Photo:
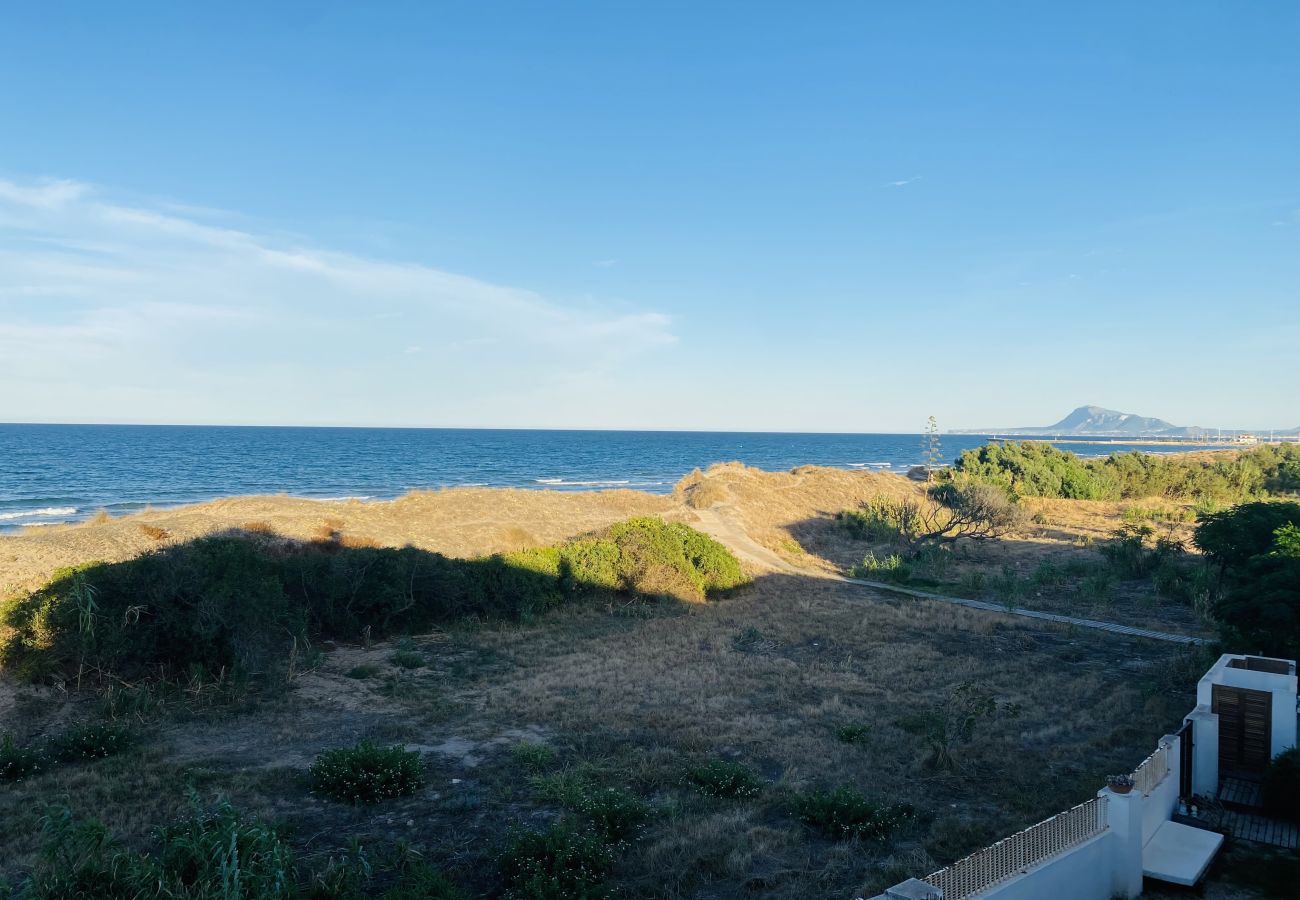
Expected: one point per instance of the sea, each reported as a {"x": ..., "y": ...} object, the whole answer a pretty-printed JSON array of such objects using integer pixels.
[{"x": 51, "y": 474}]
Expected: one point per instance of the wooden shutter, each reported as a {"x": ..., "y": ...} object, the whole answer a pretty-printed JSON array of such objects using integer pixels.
[{"x": 1245, "y": 729}]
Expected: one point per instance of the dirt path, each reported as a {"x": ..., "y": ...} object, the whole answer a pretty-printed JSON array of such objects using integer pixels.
[{"x": 719, "y": 522}]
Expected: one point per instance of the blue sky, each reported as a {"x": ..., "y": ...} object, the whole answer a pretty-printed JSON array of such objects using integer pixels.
[{"x": 821, "y": 216}]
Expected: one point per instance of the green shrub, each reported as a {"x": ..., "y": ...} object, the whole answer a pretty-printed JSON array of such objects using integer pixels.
[
  {"x": 844, "y": 813},
  {"x": 1281, "y": 788},
  {"x": 533, "y": 756},
  {"x": 17, "y": 763},
  {"x": 419, "y": 881},
  {"x": 724, "y": 778},
  {"x": 408, "y": 659},
  {"x": 878, "y": 519},
  {"x": 1037, "y": 469},
  {"x": 617, "y": 815},
  {"x": 367, "y": 773},
  {"x": 1258, "y": 604},
  {"x": 79, "y": 861},
  {"x": 891, "y": 568},
  {"x": 93, "y": 741},
  {"x": 364, "y": 670},
  {"x": 852, "y": 732},
  {"x": 560, "y": 863},
  {"x": 1231, "y": 537},
  {"x": 216, "y": 855},
  {"x": 243, "y": 605},
  {"x": 247, "y": 857},
  {"x": 1126, "y": 552}
]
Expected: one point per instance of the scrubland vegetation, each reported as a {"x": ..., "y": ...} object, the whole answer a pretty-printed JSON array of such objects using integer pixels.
[
  {"x": 247, "y": 714},
  {"x": 1035, "y": 469}
]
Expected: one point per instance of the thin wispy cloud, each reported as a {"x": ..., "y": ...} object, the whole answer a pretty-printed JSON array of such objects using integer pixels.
[
  {"x": 99, "y": 298},
  {"x": 605, "y": 263},
  {"x": 904, "y": 182}
]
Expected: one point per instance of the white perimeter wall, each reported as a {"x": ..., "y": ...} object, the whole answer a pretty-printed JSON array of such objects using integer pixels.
[{"x": 1084, "y": 873}]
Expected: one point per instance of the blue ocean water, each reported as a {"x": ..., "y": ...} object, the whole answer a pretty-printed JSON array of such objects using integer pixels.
[{"x": 62, "y": 473}]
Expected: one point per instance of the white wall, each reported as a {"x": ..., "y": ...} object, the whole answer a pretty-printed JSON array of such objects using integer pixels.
[
  {"x": 1160, "y": 803},
  {"x": 1282, "y": 687},
  {"x": 1083, "y": 873}
]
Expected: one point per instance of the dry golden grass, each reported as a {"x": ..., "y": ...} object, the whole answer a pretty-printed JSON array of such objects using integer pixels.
[
  {"x": 629, "y": 696},
  {"x": 461, "y": 522},
  {"x": 153, "y": 532}
]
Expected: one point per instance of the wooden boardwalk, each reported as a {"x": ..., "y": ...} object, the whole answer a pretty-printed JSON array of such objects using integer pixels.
[
  {"x": 1238, "y": 792},
  {"x": 1031, "y": 614},
  {"x": 1246, "y": 826}
]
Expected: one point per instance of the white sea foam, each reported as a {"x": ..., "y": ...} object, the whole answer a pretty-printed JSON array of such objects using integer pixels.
[
  {"x": 43, "y": 513},
  {"x": 563, "y": 483}
]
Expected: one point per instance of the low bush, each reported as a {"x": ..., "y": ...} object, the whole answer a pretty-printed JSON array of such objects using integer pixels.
[
  {"x": 618, "y": 816},
  {"x": 890, "y": 568},
  {"x": 367, "y": 773},
  {"x": 408, "y": 659},
  {"x": 852, "y": 732},
  {"x": 17, "y": 763},
  {"x": 210, "y": 855},
  {"x": 561, "y": 863},
  {"x": 724, "y": 778},
  {"x": 241, "y": 604},
  {"x": 533, "y": 756},
  {"x": 1257, "y": 601},
  {"x": 844, "y": 813},
  {"x": 92, "y": 741},
  {"x": 1036, "y": 469},
  {"x": 878, "y": 519},
  {"x": 365, "y": 670}
]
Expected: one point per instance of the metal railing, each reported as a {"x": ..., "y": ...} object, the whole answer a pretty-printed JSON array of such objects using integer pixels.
[
  {"x": 1013, "y": 855},
  {"x": 1151, "y": 771}
]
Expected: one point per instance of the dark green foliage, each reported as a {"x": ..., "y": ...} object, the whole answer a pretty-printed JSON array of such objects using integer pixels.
[
  {"x": 844, "y": 813},
  {"x": 877, "y": 519},
  {"x": 408, "y": 659},
  {"x": 1259, "y": 610},
  {"x": 617, "y": 815},
  {"x": 17, "y": 763},
  {"x": 79, "y": 861},
  {"x": 419, "y": 881},
  {"x": 363, "y": 671},
  {"x": 1281, "y": 788},
  {"x": 1033, "y": 469},
  {"x": 216, "y": 855},
  {"x": 93, "y": 741},
  {"x": 1037, "y": 469},
  {"x": 533, "y": 756},
  {"x": 1272, "y": 872},
  {"x": 724, "y": 778},
  {"x": 1233, "y": 536},
  {"x": 1258, "y": 607},
  {"x": 852, "y": 732},
  {"x": 889, "y": 568},
  {"x": 244, "y": 604},
  {"x": 367, "y": 773},
  {"x": 559, "y": 863},
  {"x": 247, "y": 854}
]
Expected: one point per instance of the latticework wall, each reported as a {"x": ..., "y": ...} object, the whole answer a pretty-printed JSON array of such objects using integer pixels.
[{"x": 1013, "y": 855}]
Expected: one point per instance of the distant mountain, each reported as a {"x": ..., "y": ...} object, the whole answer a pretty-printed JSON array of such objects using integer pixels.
[
  {"x": 1099, "y": 422},
  {"x": 1095, "y": 420}
]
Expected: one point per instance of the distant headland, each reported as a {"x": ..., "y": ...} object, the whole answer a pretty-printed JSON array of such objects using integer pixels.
[{"x": 1096, "y": 421}]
